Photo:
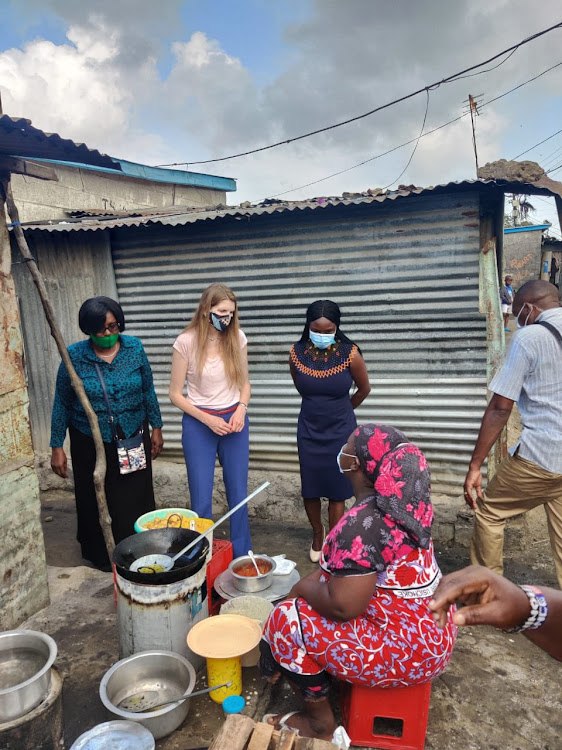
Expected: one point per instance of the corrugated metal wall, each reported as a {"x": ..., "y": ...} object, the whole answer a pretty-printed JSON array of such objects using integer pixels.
[
  {"x": 75, "y": 266},
  {"x": 405, "y": 274}
]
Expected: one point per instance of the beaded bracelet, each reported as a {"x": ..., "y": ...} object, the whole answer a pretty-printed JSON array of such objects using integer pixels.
[{"x": 539, "y": 610}]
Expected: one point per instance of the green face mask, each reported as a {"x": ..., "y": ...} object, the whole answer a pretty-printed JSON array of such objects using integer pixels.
[{"x": 105, "y": 342}]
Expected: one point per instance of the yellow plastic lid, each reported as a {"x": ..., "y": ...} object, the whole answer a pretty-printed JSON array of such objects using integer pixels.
[{"x": 224, "y": 637}]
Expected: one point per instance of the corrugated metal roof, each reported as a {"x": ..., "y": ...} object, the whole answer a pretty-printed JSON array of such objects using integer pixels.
[
  {"x": 272, "y": 206},
  {"x": 152, "y": 174},
  {"x": 18, "y": 137}
]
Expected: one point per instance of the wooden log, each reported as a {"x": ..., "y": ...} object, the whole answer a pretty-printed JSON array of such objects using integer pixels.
[
  {"x": 100, "y": 466},
  {"x": 308, "y": 743},
  {"x": 286, "y": 739},
  {"x": 234, "y": 734},
  {"x": 261, "y": 736}
]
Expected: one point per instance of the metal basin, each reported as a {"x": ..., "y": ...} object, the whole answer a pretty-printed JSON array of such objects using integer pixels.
[
  {"x": 167, "y": 673},
  {"x": 26, "y": 658},
  {"x": 160, "y": 541},
  {"x": 251, "y": 584}
]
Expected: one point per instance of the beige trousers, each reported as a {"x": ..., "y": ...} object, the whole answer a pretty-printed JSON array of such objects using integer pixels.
[{"x": 518, "y": 486}]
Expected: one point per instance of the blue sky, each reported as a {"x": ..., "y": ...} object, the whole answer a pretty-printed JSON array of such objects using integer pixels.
[{"x": 185, "y": 80}]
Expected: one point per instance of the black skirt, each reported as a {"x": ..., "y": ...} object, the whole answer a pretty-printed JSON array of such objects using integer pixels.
[{"x": 128, "y": 495}]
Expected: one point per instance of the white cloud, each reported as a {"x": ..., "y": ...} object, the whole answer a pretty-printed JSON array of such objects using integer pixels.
[{"x": 103, "y": 87}]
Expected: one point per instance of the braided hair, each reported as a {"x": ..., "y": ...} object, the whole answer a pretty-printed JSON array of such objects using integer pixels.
[{"x": 325, "y": 308}]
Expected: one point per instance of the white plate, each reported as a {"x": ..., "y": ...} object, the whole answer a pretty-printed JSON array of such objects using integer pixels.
[
  {"x": 280, "y": 587},
  {"x": 115, "y": 735}
]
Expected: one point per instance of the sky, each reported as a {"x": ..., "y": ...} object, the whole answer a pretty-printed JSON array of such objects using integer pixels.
[{"x": 191, "y": 80}]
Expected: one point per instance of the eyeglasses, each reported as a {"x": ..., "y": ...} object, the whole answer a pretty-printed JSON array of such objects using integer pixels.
[{"x": 112, "y": 328}]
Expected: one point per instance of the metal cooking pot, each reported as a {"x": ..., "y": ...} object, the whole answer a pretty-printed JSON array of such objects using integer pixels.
[
  {"x": 167, "y": 673},
  {"x": 160, "y": 541},
  {"x": 251, "y": 584},
  {"x": 26, "y": 658}
]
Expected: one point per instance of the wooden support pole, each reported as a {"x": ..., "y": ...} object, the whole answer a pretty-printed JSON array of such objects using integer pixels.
[{"x": 6, "y": 196}]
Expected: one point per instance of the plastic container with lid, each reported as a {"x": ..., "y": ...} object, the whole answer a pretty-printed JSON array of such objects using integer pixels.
[{"x": 233, "y": 704}]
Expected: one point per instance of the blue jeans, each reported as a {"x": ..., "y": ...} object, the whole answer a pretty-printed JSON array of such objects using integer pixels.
[{"x": 200, "y": 447}]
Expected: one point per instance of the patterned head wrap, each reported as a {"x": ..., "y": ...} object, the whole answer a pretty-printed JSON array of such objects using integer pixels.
[{"x": 401, "y": 479}]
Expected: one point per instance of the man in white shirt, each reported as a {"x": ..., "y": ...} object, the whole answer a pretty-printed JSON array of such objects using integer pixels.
[{"x": 532, "y": 473}]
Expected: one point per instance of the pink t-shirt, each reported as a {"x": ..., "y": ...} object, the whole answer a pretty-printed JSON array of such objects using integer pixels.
[{"x": 211, "y": 390}]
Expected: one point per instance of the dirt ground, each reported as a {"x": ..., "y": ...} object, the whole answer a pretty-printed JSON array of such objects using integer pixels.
[{"x": 498, "y": 692}]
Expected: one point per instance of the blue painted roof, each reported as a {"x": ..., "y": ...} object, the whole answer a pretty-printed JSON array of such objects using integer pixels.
[
  {"x": 154, "y": 174},
  {"x": 533, "y": 228}
]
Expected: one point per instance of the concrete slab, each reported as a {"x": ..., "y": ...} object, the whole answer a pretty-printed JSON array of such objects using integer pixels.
[{"x": 498, "y": 692}]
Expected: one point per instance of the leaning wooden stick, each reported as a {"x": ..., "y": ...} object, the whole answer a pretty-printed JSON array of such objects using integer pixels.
[{"x": 100, "y": 467}]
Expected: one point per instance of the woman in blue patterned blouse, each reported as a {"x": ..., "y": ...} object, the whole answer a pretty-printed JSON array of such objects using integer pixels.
[{"x": 130, "y": 388}]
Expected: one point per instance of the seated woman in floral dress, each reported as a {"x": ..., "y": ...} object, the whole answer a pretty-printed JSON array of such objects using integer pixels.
[{"x": 363, "y": 617}]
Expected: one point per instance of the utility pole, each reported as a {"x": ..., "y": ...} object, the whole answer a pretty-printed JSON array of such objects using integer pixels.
[
  {"x": 515, "y": 211},
  {"x": 473, "y": 108}
]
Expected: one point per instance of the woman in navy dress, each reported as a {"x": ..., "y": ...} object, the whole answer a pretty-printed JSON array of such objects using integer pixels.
[{"x": 324, "y": 365}]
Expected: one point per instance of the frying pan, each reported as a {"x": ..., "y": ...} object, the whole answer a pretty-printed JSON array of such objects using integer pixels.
[{"x": 161, "y": 541}]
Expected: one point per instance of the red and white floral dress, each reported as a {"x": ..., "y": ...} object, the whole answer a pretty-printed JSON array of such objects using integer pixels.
[{"x": 395, "y": 642}]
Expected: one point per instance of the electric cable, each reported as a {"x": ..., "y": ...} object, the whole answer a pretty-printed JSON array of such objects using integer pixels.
[
  {"x": 449, "y": 79},
  {"x": 537, "y": 144},
  {"x": 415, "y": 147},
  {"x": 412, "y": 140}
]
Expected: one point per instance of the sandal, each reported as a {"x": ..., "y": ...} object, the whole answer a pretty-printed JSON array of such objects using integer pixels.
[{"x": 314, "y": 554}]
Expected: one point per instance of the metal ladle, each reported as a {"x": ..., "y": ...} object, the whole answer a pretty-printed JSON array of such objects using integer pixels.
[
  {"x": 163, "y": 563},
  {"x": 144, "y": 701},
  {"x": 253, "y": 559}
]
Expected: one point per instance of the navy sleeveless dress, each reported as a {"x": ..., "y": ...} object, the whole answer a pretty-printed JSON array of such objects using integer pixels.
[{"x": 326, "y": 419}]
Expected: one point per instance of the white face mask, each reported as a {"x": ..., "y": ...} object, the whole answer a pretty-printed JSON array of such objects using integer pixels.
[
  {"x": 526, "y": 304},
  {"x": 341, "y": 453}
]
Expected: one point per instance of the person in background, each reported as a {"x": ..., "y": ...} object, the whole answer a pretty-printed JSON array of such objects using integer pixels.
[
  {"x": 506, "y": 299},
  {"x": 363, "y": 616},
  {"x": 130, "y": 388},
  {"x": 532, "y": 474},
  {"x": 324, "y": 365},
  {"x": 493, "y": 600},
  {"x": 211, "y": 355}
]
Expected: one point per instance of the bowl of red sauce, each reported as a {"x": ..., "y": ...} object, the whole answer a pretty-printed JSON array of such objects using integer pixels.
[{"x": 246, "y": 577}]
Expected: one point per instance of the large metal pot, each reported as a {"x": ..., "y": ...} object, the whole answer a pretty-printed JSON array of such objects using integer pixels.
[
  {"x": 251, "y": 584},
  {"x": 169, "y": 674},
  {"x": 26, "y": 658},
  {"x": 160, "y": 541}
]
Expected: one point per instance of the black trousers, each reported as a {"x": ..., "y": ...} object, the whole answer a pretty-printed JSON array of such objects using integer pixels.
[{"x": 128, "y": 495}]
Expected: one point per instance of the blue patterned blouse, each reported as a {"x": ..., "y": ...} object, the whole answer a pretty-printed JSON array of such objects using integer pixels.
[{"x": 129, "y": 384}]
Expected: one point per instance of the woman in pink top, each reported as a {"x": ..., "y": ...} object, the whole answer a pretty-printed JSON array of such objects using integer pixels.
[{"x": 211, "y": 356}]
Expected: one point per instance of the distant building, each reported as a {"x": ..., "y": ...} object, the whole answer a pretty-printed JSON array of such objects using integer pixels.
[
  {"x": 522, "y": 253},
  {"x": 85, "y": 188}
]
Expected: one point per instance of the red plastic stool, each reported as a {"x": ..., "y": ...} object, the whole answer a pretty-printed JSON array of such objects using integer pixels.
[{"x": 386, "y": 718}]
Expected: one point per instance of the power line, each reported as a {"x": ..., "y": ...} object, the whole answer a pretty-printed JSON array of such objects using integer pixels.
[
  {"x": 547, "y": 161},
  {"x": 530, "y": 80},
  {"x": 537, "y": 144},
  {"x": 415, "y": 147},
  {"x": 448, "y": 79},
  {"x": 412, "y": 140}
]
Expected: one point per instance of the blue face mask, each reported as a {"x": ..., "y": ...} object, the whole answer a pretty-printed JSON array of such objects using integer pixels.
[{"x": 322, "y": 340}]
